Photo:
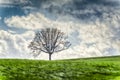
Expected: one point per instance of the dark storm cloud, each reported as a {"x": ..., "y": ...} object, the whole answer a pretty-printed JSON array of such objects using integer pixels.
[{"x": 81, "y": 9}]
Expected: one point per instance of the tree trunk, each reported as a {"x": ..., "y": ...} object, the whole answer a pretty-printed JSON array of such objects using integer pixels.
[{"x": 50, "y": 56}]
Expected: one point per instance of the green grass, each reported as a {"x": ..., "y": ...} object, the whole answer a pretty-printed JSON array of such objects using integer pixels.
[{"x": 107, "y": 68}]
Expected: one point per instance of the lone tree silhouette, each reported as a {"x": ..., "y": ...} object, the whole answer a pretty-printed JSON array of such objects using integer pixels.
[{"x": 49, "y": 40}]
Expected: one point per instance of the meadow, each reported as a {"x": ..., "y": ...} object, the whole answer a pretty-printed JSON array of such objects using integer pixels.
[{"x": 104, "y": 68}]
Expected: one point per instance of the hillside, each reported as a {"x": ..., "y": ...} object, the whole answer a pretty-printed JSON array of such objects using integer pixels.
[{"x": 107, "y": 68}]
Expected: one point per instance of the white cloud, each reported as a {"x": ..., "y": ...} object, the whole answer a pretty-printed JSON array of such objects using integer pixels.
[
  {"x": 59, "y": 3},
  {"x": 0, "y": 18},
  {"x": 10, "y": 3},
  {"x": 13, "y": 1},
  {"x": 36, "y": 21},
  {"x": 14, "y": 46},
  {"x": 88, "y": 38},
  {"x": 6, "y": 1},
  {"x": 3, "y": 48},
  {"x": 92, "y": 39}
]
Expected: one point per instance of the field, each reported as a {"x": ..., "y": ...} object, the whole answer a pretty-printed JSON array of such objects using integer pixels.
[{"x": 107, "y": 68}]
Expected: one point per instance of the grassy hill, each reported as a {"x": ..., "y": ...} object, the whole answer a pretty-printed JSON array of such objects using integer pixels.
[{"x": 107, "y": 68}]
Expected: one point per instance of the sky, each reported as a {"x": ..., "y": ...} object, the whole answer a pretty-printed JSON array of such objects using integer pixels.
[{"x": 92, "y": 26}]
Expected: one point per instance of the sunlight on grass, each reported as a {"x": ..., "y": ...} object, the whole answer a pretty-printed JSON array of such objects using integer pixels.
[
  {"x": 2, "y": 78},
  {"x": 74, "y": 69},
  {"x": 117, "y": 78}
]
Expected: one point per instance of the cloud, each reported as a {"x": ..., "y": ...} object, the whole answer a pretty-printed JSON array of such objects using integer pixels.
[
  {"x": 93, "y": 29},
  {"x": 36, "y": 21},
  {"x": 0, "y": 18},
  {"x": 91, "y": 39},
  {"x": 59, "y": 3},
  {"x": 6, "y": 1},
  {"x": 13, "y": 1},
  {"x": 3, "y": 48},
  {"x": 14, "y": 46}
]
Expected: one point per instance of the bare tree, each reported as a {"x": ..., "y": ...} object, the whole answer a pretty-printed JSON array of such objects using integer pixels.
[{"x": 49, "y": 40}]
